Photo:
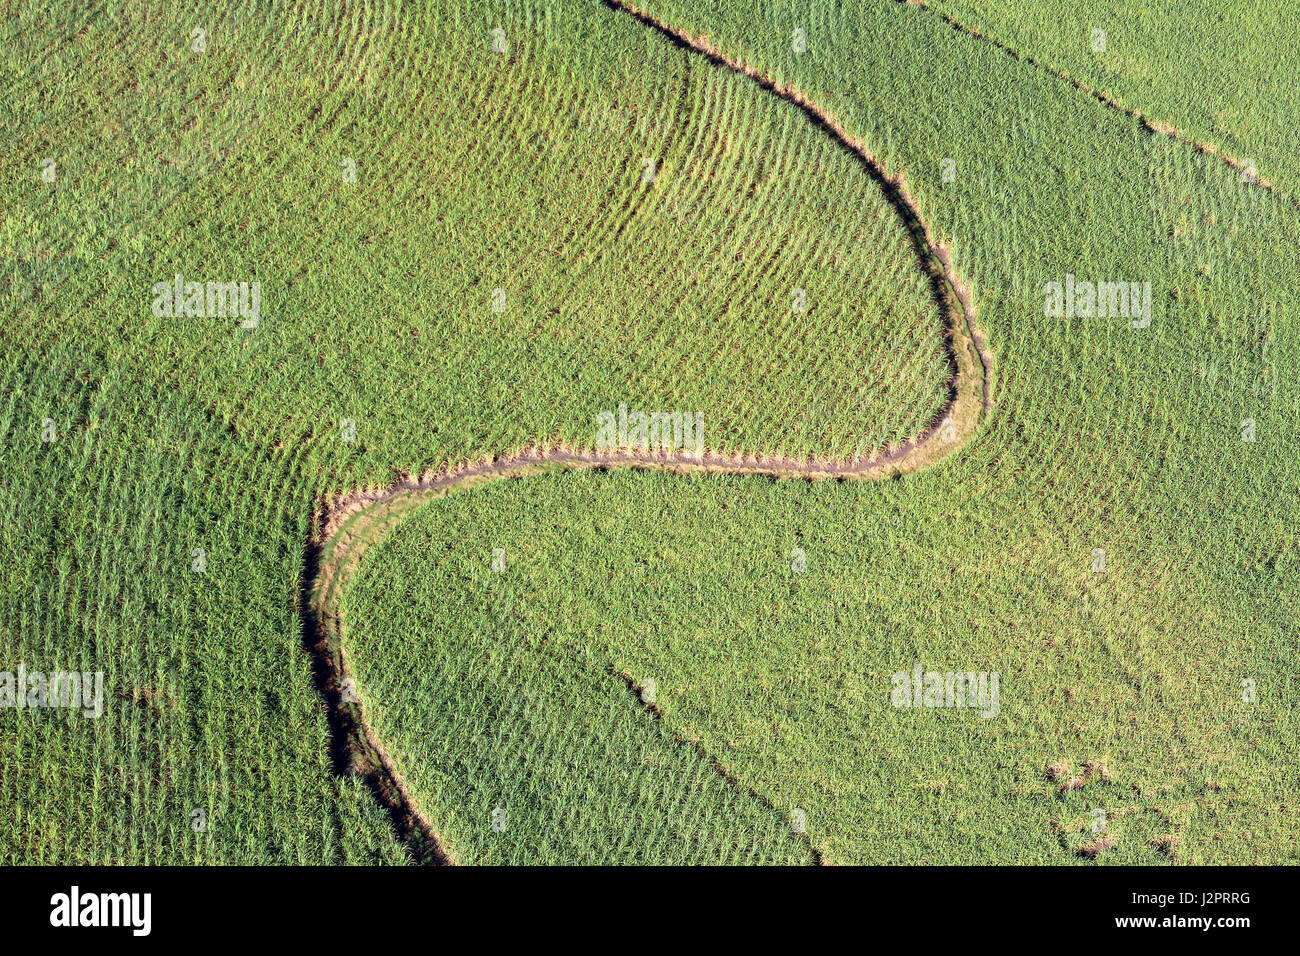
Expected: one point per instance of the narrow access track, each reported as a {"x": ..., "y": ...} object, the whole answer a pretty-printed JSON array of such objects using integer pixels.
[{"x": 348, "y": 526}]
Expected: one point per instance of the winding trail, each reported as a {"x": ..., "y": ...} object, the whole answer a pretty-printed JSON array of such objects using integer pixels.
[{"x": 347, "y": 527}]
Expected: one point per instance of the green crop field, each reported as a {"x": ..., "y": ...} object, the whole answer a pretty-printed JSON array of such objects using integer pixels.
[
  {"x": 586, "y": 431},
  {"x": 1189, "y": 68}
]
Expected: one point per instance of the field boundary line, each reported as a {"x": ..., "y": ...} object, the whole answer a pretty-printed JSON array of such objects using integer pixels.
[
  {"x": 935, "y": 258},
  {"x": 349, "y": 525},
  {"x": 1149, "y": 123}
]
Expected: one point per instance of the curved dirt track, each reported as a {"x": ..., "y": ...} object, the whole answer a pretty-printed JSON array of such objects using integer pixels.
[{"x": 348, "y": 526}]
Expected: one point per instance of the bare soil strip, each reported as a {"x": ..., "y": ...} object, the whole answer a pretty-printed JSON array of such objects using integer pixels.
[
  {"x": 349, "y": 525},
  {"x": 1148, "y": 123}
]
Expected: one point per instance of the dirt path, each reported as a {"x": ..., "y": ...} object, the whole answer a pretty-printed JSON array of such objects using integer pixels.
[{"x": 348, "y": 526}]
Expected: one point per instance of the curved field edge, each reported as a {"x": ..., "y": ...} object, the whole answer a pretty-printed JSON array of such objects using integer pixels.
[
  {"x": 950, "y": 293},
  {"x": 971, "y": 387},
  {"x": 360, "y": 504},
  {"x": 772, "y": 271},
  {"x": 360, "y": 750},
  {"x": 208, "y": 746},
  {"x": 351, "y": 524}
]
